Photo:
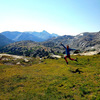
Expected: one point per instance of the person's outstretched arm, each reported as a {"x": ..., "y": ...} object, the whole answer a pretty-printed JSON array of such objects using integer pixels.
[
  {"x": 63, "y": 45},
  {"x": 71, "y": 49}
]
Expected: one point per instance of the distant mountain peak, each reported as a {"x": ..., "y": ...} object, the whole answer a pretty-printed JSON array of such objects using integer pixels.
[{"x": 44, "y": 31}]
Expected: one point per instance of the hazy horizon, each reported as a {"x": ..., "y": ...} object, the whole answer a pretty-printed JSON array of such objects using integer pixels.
[{"x": 48, "y": 32}]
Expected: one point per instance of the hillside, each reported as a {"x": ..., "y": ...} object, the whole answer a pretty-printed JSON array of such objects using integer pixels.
[
  {"x": 66, "y": 39},
  {"x": 4, "y": 41},
  {"x": 52, "y": 79},
  {"x": 26, "y": 48},
  {"x": 87, "y": 41},
  {"x": 83, "y": 41}
]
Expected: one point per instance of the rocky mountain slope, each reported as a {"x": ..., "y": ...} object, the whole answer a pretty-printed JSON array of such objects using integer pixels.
[
  {"x": 83, "y": 41},
  {"x": 89, "y": 41},
  {"x": 4, "y": 41}
]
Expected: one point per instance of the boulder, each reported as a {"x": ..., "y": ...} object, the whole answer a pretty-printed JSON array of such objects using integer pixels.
[
  {"x": 26, "y": 60},
  {"x": 18, "y": 63},
  {"x": 55, "y": 56}
]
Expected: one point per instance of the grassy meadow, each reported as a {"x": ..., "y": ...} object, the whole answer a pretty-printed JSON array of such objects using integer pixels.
[{"x": 52, "y": 79}]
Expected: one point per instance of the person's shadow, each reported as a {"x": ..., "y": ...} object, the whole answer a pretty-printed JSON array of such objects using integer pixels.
[{"x": 77, "y": 71}]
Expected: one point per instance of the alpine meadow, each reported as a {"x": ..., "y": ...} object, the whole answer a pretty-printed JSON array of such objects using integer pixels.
[{"x": 52, "y": 79}]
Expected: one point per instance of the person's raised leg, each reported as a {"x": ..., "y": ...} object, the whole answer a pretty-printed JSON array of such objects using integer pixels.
[
  {"x": 66, "y": 59},
  {"x": 73, "y": 59}
]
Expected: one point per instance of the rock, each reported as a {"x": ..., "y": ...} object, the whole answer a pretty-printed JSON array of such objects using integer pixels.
[
  {"x": 89, "y": 53},
  {"x": 6, "y": 59},
  {"x": 26, "y": 60},
  {"x": 99, "y": 53},
  {"x": 0, "y": 57},
  {"x": 40, "y": 58},
  {"x": 18, "y": 63},
  {"x": 55, "y": 56}
]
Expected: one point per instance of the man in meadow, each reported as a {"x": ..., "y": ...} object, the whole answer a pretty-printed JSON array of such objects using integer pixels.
[{"x": 68, "y": 53}]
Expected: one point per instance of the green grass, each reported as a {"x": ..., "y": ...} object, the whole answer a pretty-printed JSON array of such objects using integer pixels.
[{"x": 52, "y": 80}]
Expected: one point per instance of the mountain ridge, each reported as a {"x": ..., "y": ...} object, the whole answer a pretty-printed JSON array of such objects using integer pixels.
[
  {"x": 34, "y": 36},
  {"x": 86, "y": 41},
  {"x": 4, "y": 41}
]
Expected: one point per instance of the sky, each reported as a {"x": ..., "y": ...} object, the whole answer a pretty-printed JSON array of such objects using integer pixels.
[{"x": 63, "y": 17}]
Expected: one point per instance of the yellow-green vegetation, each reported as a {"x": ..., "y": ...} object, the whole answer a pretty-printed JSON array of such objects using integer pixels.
[{"x": 52, "y": 79}]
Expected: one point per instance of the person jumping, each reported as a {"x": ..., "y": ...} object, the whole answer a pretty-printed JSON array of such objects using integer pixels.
[{"x": 68, "y": 53}]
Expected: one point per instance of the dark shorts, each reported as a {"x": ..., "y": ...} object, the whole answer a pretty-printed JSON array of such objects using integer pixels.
[{"x": 68, "y": 56}]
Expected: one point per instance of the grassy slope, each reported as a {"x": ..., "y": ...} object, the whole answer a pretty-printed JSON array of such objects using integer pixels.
[{"x": 52, "y": 80}]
